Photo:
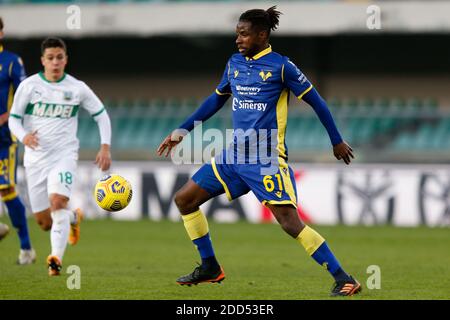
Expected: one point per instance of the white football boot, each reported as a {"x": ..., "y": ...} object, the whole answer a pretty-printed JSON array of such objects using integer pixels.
[{"x": 26, "y": 257}]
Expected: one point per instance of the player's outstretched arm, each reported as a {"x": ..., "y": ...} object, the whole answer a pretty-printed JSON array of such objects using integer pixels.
[
  {"x": 209, "y": 107},
  {"x": 341, "y": 150}
]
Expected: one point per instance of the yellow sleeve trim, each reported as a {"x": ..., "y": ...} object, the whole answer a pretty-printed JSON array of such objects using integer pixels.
[
  {"x": 220, "y": 93},
  {"x": 216, "y": 173},
  {"x": 282, "y": 73},
  {"x": 305, "y": 92}
]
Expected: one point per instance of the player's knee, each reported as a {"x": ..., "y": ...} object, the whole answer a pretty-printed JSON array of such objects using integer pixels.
[
  {"x": 292, "y": 230},
  {"x": 289, "y": 221},
  {"x": 45, "y": 224},
  {"x": 58, "y": 202},
  {"x": 180, "y": 200},
  {"x": 184, "y": 202}
]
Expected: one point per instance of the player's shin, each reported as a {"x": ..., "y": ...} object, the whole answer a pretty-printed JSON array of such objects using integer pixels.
[
  {"x": 317, "y": 248},
  {"x": 60, "y": 232},
  {"x": 197, "y": 228},
  {"x": 16, "y": 211}
]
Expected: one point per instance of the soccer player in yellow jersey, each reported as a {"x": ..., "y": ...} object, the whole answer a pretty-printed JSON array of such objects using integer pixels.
[{"x": 259, "y": 81}]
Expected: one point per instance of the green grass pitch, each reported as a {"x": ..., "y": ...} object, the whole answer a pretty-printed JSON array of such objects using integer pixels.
[{"x": 142, "y": 259}]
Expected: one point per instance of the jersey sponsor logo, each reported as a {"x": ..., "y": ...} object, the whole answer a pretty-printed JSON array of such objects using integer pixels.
[
  {"x": 247, "y": 91},
  {"x": 51, "y": 110},
  {"x": 248, "y": 105},
  {"x": 265, "y": 76}
]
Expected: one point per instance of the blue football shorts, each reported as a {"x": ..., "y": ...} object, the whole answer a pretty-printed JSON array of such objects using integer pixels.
[{"x": 236, "y": 180}]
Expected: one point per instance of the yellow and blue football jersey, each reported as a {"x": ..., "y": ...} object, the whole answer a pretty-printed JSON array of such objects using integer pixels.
[
  {"x": 12, "y": 72},
  {"x": 260, "y": 88}
]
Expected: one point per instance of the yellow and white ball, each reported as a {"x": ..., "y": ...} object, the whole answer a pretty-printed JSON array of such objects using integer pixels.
[{"x": 113, "y": 192}]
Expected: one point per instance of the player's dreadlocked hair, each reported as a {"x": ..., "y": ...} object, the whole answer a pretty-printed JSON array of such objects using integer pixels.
[
  {"x": 53, "y": 42},
  {"x": 1, "y": 24},
  {"x": 263, "y": 20}
]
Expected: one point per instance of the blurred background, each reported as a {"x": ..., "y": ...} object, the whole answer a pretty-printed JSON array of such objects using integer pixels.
[{"x": 382, "y": 66}]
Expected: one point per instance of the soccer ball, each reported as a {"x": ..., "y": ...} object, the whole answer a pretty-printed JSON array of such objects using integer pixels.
[{"x": 113, "y": 192}]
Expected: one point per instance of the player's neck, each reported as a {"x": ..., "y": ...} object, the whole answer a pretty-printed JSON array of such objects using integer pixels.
[
  {"x": 49, "y": 77},
  {"x": 260, "y": 49}
]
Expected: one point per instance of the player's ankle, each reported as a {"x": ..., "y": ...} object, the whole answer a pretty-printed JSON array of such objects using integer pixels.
[
  {"x": 210, "y": 264},
  {"x": 341, "y": 275}
]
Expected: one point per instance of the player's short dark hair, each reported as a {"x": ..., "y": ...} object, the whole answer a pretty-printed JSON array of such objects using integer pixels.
[
  {"x": 262, "y": 20},
  {"x": 1, "y": 24},
  {"x": 53, "y": 42}
]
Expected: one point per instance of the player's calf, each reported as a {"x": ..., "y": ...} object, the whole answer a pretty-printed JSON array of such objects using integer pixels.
[
  {"x": 17, "y": 214},
  {"x": 288, "y": 219}
]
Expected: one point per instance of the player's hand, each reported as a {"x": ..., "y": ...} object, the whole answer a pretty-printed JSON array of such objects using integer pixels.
[
  {"x": 169, "y": 143},
  {"x": 31, "y": 140},
  {"x": 103, "y": 158},
  {"x": 343, "y": 151},
  {"x": 4, "y": 118}
]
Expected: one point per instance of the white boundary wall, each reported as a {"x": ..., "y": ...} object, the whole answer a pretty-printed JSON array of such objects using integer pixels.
[
  {"x": 148, "y": 19},
  {"x": 401, "y": 195}
]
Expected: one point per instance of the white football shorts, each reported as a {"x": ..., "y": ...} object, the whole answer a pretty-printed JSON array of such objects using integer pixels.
[{"x": 57, "y": 178}]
